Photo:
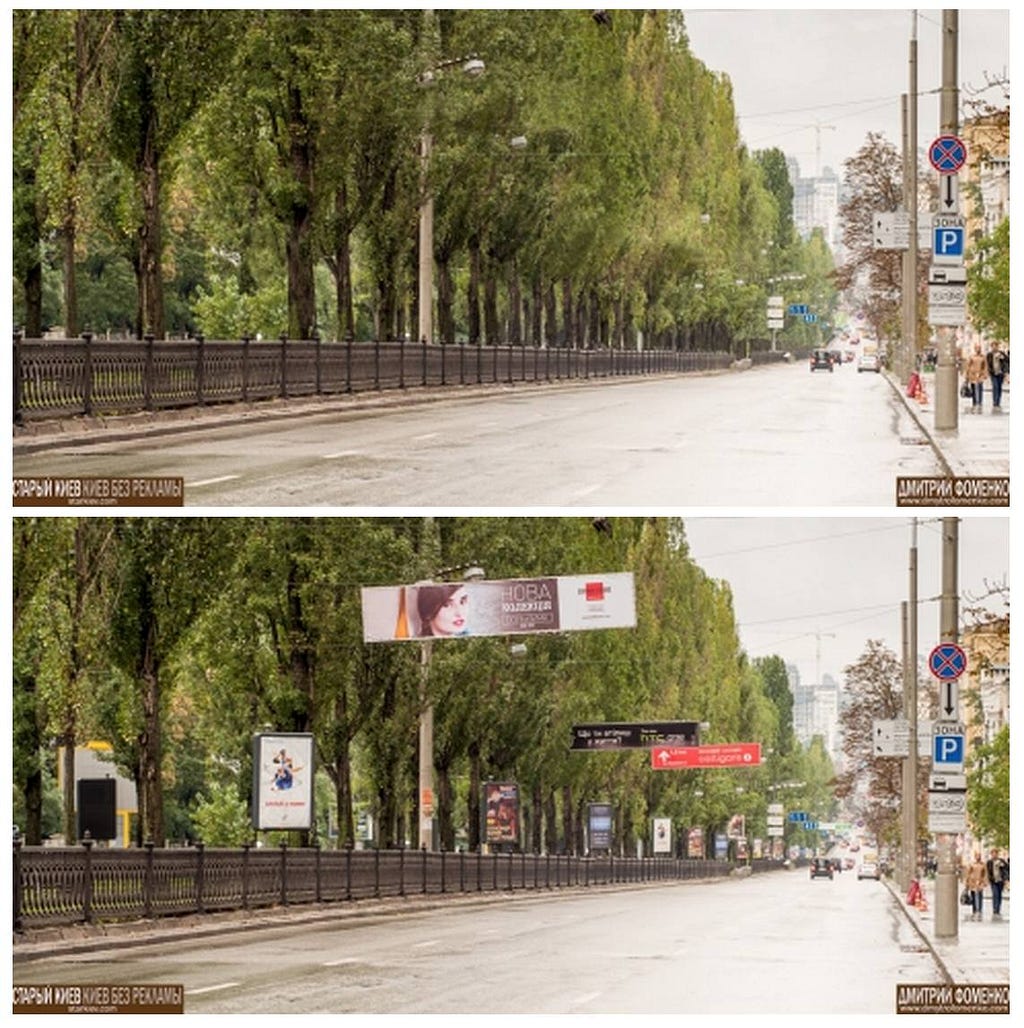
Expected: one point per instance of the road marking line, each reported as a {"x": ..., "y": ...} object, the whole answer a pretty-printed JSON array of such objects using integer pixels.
[
  {"x": 588, "y": 998},
  {"x": 210, "y": 481},
  {"x": 340, "y": 454},
  {"x": 338, "y": 963},
  {"x": 424, "y": 438},
  {"x": 424, "y": 945},
  {"x": 210, "y": 988}
]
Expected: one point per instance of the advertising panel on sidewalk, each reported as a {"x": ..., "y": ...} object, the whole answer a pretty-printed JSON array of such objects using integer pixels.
[
  {"x": 282, "y": 782},
  {"x": 695, "y": 843},
  {"x": 600, "y": 817},
  {"x": 737, "y": 827},
  {"x": 518, "y": 606},
  {"x": 662, "y": 832},
  {"x": 501, "y": 814}
]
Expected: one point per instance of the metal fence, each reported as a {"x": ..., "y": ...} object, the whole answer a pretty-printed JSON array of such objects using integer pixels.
[
  {"x": 62, "y": 378},
  {"x": 55, "y": 886}
]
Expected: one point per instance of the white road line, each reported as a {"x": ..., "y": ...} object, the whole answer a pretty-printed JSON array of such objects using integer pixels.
[
  {"x": 583, "y": 1000},
  {"x": 343, "y": 960},
  {"x": 424, "y": 945},
  {"x": 424, "y": 438},
  {"x": 210, "y": 988},
  {"x": 340, "y": 454},
  {"x": 210, "y": 481}
]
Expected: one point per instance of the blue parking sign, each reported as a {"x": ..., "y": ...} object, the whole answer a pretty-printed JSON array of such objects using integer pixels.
[
  {"x": 947, "y": 750},
  {"x": 948, "y": 241}
]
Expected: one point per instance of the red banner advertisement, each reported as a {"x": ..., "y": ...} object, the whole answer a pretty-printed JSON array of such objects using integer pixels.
[{"x": 729, "y": 754}]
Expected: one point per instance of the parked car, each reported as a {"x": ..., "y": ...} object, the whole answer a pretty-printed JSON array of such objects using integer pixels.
[
  {"x": 821, "y": 360},
  {"x": 867, "y": 870},
  {"x": 868, "y": 362},
  {"x": 821, "y": 867}
]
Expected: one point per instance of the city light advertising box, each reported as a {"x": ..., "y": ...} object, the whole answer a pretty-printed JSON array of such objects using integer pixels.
[
  {"x": 283, "y": 782},
  {"x": 519, "y": 606}
]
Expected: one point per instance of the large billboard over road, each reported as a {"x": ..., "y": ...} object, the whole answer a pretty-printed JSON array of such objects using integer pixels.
[{"x": 517, "y": 606}]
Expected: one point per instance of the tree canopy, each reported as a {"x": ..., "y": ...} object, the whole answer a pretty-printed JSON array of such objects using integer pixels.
[
  {"x": 230, "y": 173},
  {"x": 175, "y": 640}
]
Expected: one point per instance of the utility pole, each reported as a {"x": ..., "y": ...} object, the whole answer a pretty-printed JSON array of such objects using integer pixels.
[
  {"x": 947, "y": 405},
  {"x": 909, "y": 348},
  {"x": 946, "y": 885},
  {"x": 909, "y": 791}
]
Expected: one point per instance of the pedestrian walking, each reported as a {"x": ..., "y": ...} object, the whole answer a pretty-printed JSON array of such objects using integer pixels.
[
  {"x": 975, "y": 882},
  {"x": 998, "y": 369},
  {"x": 998, "y": 871},
  {"x": 975, "y": 373}
]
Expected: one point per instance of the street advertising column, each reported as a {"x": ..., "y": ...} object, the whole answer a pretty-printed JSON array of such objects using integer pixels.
[
  {"x": 600, "y": 817},
  {"x": 282, "y": 782},
  {"x": 501, "y": 815}
]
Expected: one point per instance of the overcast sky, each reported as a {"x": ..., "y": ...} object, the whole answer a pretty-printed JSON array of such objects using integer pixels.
[
  {"x": 841, "y": 577},
  {"x": 844, "y": 70}
]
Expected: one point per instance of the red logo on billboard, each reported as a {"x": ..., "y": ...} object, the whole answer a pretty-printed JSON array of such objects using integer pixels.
[{"x": 595, "y": 592}]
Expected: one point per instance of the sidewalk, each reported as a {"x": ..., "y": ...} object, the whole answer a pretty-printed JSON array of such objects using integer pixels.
[
  {"x": 978, "y": 447},
  {"x": 980, "y": 952}
]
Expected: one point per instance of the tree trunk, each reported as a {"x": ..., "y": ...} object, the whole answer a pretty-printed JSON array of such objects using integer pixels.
[
  {"x": 67, "y": 759},
  {"x": 70, "y": 283},
  {"x": 342, "y": 267},
  {"x": 550, "y": 315},
  {"x": 515, "y": 305},
  {"x": 594, "y": 327},
  {"x": 537, "y": 824},
  {"x": 473, "y": 292},
  {"x": 550, "y": 824},
  {"x": 537, "y": 306},
  {"x": 567, "y": 815},
  {"x": 567, "y": 315},
  {"x": 151, "y": 289},
  {"x": 473, "y": 801},
  {"x": 445, "y": 806},
  {"x": 492, "y": 327},
  {"x": 299, "y": 244},
  {"x": 445, "y": 300}
]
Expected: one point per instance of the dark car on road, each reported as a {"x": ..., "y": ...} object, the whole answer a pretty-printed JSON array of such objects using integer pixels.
[
  {"x": 821, "y": 360},
  {"x": 821, "y": 867}
]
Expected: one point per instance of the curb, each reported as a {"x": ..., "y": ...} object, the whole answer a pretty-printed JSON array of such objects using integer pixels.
[
  {"x": 919, "y": 931},
  {"x": 915, "y": 415}
]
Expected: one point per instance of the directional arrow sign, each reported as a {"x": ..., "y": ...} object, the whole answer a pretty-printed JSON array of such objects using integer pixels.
[
  {"x": 730, "y": 754},
  {"x": 949, "y": 701},
  {"x": 949, "y": 194}
]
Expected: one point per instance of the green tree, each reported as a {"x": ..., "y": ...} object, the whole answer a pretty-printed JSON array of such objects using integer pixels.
[
  {"x": 221, "y": 816},
  {"x": 167, "y": 64},
  {"x": 988, "y": 294},
  {"x": 988, "y": 789}
]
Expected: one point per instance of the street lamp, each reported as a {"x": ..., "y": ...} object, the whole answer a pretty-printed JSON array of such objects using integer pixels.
[
  {"x": 472, "y": 67},
  {"x": 470, "y": 573}
]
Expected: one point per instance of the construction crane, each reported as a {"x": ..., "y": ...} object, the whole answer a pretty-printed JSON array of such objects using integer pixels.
[{"x": 818, "y": 126}]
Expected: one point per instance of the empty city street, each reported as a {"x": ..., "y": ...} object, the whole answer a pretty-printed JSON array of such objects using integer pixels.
[
  {"x": 773, "y": 436},
  {"x": 777, "y": 942}
]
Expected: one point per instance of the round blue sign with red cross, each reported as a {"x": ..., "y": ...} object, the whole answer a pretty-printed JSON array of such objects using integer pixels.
[
  {"x": 948, "y": 154},
  {"x": 947, "y": 662}
]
